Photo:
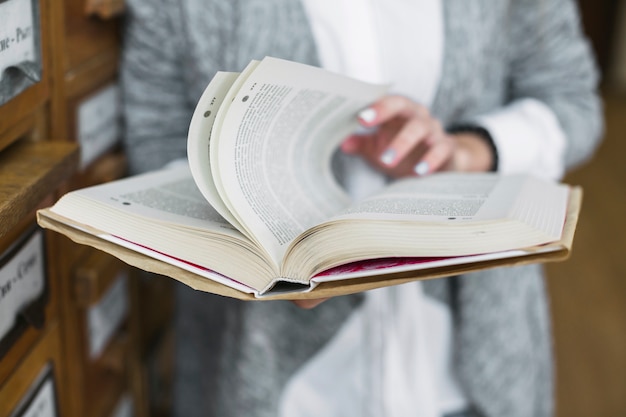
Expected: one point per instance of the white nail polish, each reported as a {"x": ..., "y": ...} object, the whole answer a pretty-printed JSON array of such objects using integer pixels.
[
  {"x": 421, "y": 168},
  {"x": 388, "y": 156},
  {"x": 367, "y": 115}
]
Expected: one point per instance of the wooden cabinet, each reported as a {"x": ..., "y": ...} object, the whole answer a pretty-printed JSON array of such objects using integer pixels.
[
  {"x": 89, "y": 337},
  {"x": 95, "y": 314},
  {"x": 29, "y": 170}
]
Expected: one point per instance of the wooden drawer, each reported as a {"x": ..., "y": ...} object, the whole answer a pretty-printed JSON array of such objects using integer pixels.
[
  {"x": 29, "y": 172},
  {"x": 95, "y": 275},
  {"x": 106, "y": 378},
  {"x": 152, "y": 376},
  {"x": 32, "y": 127},
  {"x": 95, "y": 325},
  {"x": 159, "y": 366},
  {"x": 26, "y": 301},
  {"x": 154, "y": 296},
  {"x": 91, "y": 29},
  {"x": 108, "y": 167},
  {"x": 24, "y": 57},
  {"x": 95, "y": 121},
  {"x": 87, "y": 109},
  {"x": 36, "y": 388}
]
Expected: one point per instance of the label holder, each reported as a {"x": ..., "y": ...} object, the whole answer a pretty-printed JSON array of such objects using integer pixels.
[{"x": 34, "y": 313}]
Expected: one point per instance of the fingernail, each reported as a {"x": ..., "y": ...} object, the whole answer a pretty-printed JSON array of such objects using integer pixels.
[
  {"x": 367, "y": 115},
  {"x": 421, "y": 168},
  {"x": 388, "y": 156}
]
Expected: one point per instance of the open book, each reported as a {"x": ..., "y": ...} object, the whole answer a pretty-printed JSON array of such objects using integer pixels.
[{"x": 258, "y": 212}]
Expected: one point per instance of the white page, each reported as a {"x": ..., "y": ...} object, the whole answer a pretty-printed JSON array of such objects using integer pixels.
[
  {"x": 463, "y": 197},
  {"x": 199, "y": 139},
  {"x": 164, "y": 211},
  {"x": 276, "y": 143},
  {"x": 168, "y": 196},
  {"x": 440, "y": 197},
  {"x": 214, "y": 145}
]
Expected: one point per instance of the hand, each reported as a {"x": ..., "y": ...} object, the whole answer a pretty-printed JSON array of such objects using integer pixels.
[
  {"x": 309, "y": 304},
  {"x": 409, "y": 141}
]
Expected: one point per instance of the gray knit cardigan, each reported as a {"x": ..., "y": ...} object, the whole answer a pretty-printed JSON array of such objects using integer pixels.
[{"x": 233, "y": 358}]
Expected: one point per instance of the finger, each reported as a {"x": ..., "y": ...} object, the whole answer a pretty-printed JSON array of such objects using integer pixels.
[
  {"x": 405, "y": 141},
  {"x": 435, "y": 158},
  {"x": 309, "y": 304},
  {"x": 354, "y": 144},
  {"x": 390, "y": 107}
]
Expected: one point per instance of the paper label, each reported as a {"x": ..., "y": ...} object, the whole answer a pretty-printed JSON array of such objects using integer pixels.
[
  {"x": 22, "y": 280},
  {"x": 105, "y": 317},
  {"x": 43, "y": 402},
  {"x": 124, "y": 407},
  {"x": 17, "y": 40},
  {"x": 18, "y": 47},
  {"x": 99, "y": 123}
]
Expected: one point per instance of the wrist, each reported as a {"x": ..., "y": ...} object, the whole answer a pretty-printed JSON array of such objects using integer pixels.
[{"x": 475, "y": 149}]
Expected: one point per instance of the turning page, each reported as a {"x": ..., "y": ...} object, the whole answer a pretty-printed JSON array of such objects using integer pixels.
[
  {"x": 275, "y": 145},
  {"x": 199, "y": 141}
]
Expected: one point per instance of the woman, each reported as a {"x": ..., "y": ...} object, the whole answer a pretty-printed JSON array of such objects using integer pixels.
[{"x": 514, "y": 84}]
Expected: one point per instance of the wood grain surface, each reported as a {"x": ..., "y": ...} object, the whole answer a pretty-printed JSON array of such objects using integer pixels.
[{"x": 588, "y": 291}]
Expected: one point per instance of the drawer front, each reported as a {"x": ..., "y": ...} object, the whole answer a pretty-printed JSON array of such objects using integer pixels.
[
  {"x": 155, "y": 297},
  {"x": 97, "y": 310},
  {"x": 160, "y": 372},
  {"x": 25, "y": 305},
  {"x": 22, "y": 282},
  {"x": 33, "y": 389},
  {"x": 98, "y": 123},
  {"x": 41, "y": 398},
  {"x": 88, "y": 32},
  {"x": 105, "y": 317}
]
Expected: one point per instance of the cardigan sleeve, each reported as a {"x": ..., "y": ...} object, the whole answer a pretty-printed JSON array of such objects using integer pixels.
[
  {"x": 552, "y": 62},
  {"x": 553, "y": 118},
  {"x": 156, "y": 107}
]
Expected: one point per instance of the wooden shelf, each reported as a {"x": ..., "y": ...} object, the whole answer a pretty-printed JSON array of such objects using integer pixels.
[{"x": 29, "y": 172}]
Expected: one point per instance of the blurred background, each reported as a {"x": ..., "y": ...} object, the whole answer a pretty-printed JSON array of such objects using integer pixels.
[
  {"x": 588, "y": 291},
  {"x": 93, "y": 338}
]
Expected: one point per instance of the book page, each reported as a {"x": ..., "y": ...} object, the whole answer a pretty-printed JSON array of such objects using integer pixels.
[
  {"x": 275, "y": 146},
  {"x": 167, "y": 196},
  {"x": 199, "y": 139},
  {"x": 441, "y": 215},
  {"x": 214, "y": 158},
  {"x": 439, "y": 197},
  {"x": 165, "y": 212},
  {"x": 452, "y": 198}
]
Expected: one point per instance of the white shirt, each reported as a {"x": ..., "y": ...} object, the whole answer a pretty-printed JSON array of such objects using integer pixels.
[{"x": 394, "y": 356}]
